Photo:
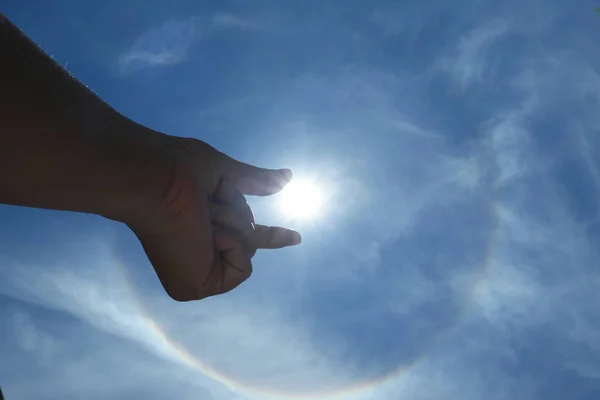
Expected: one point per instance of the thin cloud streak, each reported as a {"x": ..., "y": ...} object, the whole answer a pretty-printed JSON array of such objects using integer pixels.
[{"x": 165, "y": 45}]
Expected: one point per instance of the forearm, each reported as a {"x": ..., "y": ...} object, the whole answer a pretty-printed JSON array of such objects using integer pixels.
[{"x": 63, "y": 148}]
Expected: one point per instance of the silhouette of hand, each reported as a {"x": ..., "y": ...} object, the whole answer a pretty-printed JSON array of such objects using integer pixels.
[{"x": 202, "y": 237}]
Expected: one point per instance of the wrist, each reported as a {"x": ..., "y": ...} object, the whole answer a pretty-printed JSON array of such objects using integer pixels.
[{"x": 139, "y": 164}]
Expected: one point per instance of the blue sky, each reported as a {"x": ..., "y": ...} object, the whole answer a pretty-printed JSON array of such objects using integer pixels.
[{"x": 457, "y": 256}]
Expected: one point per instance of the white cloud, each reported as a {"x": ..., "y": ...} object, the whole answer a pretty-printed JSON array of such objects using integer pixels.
[
  {"x": 32, "y": 339},
  {"x": 509, "y": 142},
  {"x": 470, "y": 63},
  {"x": 232, "y": 21},
  {"x": 167, "y": 44},
  {"x": 170, "y": 43}
]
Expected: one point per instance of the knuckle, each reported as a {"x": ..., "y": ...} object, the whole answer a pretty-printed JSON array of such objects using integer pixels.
[
  {"x": 185, "y": 294},
  {"x": 179, "y": 296}
]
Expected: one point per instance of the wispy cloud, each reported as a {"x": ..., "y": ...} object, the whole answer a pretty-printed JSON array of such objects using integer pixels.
[
  {"x": 167, "y": 44},
  {"x": 470, "y": 62},
  {"x": 31, "y": 339},
  {"x": 170, "y": 43},
  {"x": 231, "y": 21}
]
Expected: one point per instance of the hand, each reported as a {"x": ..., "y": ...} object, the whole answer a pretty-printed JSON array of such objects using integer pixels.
[
  {"x": 202, "y": 237},
  {"x": 62, "y": 148}
]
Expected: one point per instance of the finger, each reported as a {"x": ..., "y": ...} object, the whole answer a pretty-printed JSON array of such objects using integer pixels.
[
  {"x": 230, "y": 217},
  {"x": 227, "y": 193},
  {"x": 224, "y": 277},
  {"x": 233, "y": 277},
  {"x": 252, "y": 180},
  {"x": 232, "y": 265},
  {"x": 226, "y": 239},
  {"x": 274, "y": 237}
]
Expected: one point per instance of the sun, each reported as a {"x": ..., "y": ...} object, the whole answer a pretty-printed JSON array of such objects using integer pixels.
[{"x": 301, "y": 199}]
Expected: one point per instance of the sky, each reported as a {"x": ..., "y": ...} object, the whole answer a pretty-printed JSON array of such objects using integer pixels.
[{"x": 456, "y": 145}]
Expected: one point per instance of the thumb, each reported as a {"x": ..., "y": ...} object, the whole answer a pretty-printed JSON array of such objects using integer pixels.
[{"x": 251, "y": 180}]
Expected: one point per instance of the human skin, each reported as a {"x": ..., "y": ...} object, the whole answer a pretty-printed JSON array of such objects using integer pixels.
[{"x": 63, "y": 148}]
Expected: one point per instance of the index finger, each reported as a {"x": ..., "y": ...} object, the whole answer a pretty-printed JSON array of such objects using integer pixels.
[{"x": 274, "y": 237}]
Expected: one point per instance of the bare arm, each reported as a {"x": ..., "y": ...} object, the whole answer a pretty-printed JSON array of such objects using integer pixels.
[{"x": 63, "y": 148}]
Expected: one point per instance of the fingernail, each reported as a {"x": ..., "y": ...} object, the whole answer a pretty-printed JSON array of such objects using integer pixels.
[
  {"x": 287, "y": 174},
  {"x": 296, "y": 238}
]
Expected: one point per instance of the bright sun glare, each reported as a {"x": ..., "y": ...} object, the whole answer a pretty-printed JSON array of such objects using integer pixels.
[{"x": 301, "y": 199}]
